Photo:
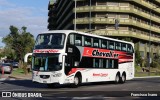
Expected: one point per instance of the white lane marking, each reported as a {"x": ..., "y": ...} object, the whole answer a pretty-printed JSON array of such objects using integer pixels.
[
  {"x": 51, "y": 94},
  {"x": 13, "y": 89},
  {"x": 12, "y": 79},
  {"x": 149, "y": 86},
  {"x": 138, "y": 88},
  {"x": 124, "y": 89},
  {"x": 57, "y": 93}
]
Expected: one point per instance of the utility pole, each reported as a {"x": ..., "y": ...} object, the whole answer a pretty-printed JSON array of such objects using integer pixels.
[
  {"x": 149, "y": 56},
  {"x": 75, "y": 14},
  {"x": 90, "y": 16}
]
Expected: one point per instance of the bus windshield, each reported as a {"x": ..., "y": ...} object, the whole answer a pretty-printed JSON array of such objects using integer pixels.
[
  {"x": 50, "y": 41},
  {"x": 46, "y": 63}
]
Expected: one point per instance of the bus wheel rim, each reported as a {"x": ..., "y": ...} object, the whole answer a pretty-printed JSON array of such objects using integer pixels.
[
  {"x": 123, "y": 78},
  {"x": 117, "y": 78},
  {"x": 76, "y": 81}
]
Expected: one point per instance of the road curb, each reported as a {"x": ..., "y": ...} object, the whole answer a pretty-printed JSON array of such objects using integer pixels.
[
  {"x": 19, "y": 78},
  {"x": 147, "y": 77},
  {"x": 3, "y": 79},
  {"x": 14, "y": 77}
]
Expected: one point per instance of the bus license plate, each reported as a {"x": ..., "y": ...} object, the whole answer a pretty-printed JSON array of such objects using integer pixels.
[{"x": 44, "y": 81}]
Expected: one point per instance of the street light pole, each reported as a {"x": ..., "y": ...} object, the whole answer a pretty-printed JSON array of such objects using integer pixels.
[
  {"x": 75, "y": 15},
  {"x": 149, "y": 56},
  {"x": 149, "y": 42},
  {"x": 90, "y": 17}
]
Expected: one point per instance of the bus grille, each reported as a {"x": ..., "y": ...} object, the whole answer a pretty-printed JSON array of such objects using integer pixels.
[{"x": 44, "y": 76}]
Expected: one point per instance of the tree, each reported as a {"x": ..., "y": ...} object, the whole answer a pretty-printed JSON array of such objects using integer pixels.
[
  {"x": 127, "y": 39},
  {"x": 9, "y": 53},
  {"x": 1, "y": 55},
  {"x": 138, "y": 58},
  {"x": 20, "y": 41}
]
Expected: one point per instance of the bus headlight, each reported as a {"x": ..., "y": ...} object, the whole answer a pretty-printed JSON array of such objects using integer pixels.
[{"x": 57, "y": 75}]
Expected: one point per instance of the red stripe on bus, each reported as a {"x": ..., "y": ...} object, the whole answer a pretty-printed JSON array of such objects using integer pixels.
[
  {"x": 73, "y": 70},
  {"x": 102, "y": 53}
]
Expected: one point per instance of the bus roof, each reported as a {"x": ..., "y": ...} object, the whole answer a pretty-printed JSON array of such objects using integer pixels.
[{"x": 83, "y": 33}]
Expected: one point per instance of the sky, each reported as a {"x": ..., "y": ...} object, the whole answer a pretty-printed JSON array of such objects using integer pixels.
[{"x": 30, "y": 13}]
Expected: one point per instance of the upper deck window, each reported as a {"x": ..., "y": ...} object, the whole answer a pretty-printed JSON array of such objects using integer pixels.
[
  {"x": 118, "y": 46},
  {"x": 129, "y": 48},
  {"x": 95, "y": 42},
  {"x": 104, "y": 44},
  {"x": 87, "y": 41},
  {"x": 50, "y": 41},
  {"x": 124, "y": 47},
  {"x": 78, "y": 40},
  {"x": 111, "y": 45}
]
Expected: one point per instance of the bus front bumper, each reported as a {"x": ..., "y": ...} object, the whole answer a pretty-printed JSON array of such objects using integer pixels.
[{"x": 46, "y": 78}]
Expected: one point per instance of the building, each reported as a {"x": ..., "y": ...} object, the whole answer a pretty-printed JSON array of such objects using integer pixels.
[{"x": 136, "y": 20}]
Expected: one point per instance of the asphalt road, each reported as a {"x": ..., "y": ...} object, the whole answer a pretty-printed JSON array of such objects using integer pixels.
[{"x": 134, "y": 88}]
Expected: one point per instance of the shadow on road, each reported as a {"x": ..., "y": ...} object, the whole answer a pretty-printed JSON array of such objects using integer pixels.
[
  {"x": 76, "y": 93},
  {"x": 24, "y": 83},
  {"x": 30, "y": 84},
  {"x": 147, "y": 80}
]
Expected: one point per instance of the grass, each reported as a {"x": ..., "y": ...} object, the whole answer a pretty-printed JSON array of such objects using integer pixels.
[
  {"x": 143, "y": 74},
  {"x": 153, "y": 72},
  {"x": 138, "y": 68},
  {"x": 18, "y": 71}
]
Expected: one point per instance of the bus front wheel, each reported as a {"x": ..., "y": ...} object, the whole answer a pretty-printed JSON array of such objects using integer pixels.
[{"x": 76, "y": 81}]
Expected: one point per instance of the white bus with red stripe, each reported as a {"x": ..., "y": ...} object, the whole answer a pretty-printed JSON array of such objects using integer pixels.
[{"x": 71, "y": 57}]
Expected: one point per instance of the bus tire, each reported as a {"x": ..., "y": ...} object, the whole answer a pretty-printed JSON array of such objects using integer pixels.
[
  {"x": 76, "y": 81},
  {"x": 123, "y": 78},
  {"x": 117, "y": 79}
]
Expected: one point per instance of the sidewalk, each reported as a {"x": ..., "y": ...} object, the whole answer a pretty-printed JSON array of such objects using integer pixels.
[{"x": 2, "y": 78}]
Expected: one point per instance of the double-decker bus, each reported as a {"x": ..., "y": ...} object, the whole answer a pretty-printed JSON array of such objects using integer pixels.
[{"x": 71, "y": 57}]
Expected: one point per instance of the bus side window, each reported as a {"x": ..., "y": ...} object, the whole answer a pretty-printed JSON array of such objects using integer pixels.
[
  {"x": 110, "y": 63},
  {"x": 95, "y": 42},
  {"x": 86, "y": 62},
  {"x": 129, "y": 48},
  {"x": 123, "y": 46},
  {"x": 70, "y": 39},
  {"x": 118, "y": 46},
  {"x": 96, "y": 63},
  {"x": 116, "y": 63},
  {"x": 104, "y": 44},
  {"x": 78, "y": 40},
  {"x": 113, "y": 63},
  {"x": 105, "y": 63},
  {"x": 100, "y": 63},
  {"x": 87, "y": 41},
  {"x": 111, "y": 45}
]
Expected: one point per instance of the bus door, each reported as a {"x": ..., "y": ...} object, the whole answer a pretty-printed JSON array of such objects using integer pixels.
[
  {"x": 62, "y": 78},
  {"x": 72, "y": 59},
  {"x": 69, "y": 64}
]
